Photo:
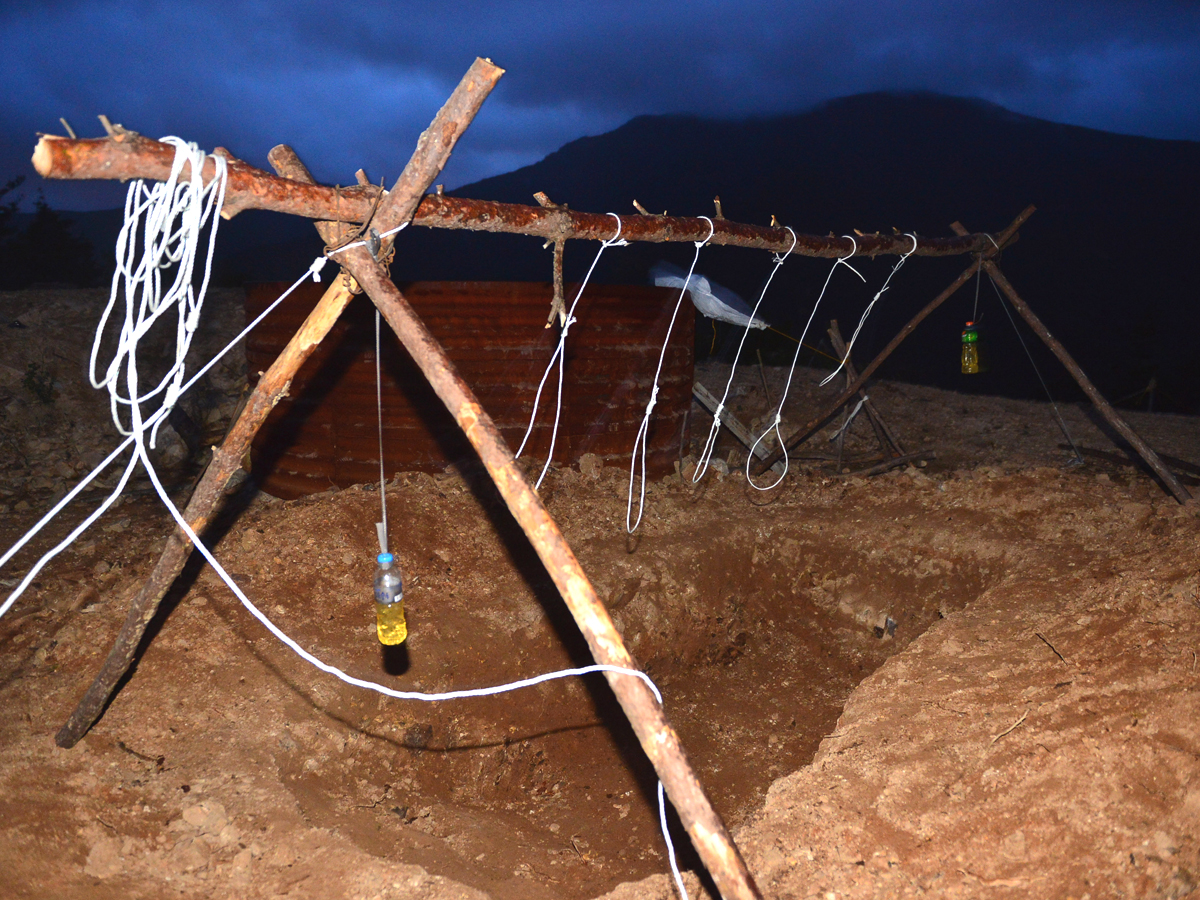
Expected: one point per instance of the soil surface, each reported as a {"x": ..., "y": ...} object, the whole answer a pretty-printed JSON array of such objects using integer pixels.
[{"x": 972, "y": 677}]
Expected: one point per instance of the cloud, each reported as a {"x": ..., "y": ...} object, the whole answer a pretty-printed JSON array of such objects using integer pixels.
[{"x": 353, "y": 85}]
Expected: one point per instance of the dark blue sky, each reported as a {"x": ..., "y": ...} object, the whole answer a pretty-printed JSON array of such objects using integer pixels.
[{"x": 352, "y": 85}]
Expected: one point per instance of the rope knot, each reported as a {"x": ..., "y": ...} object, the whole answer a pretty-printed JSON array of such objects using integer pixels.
[{"x": 317, "y": 265}]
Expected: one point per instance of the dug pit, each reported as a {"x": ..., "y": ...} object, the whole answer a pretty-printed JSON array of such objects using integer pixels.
[
  {"x": 755, "y": 615},
  {"x": 755, "y": 632}
]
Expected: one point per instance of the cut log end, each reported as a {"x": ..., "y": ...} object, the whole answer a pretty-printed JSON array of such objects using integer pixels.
[{"x": 43, "y": 156}]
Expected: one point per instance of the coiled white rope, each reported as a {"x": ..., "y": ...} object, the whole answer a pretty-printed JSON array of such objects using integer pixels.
[
  {"x": 559, "y": 356},
  {"x": 643, "y": 434},
  {"x": 131, "y": 466},
  {"x": 163, "y": 227},
  {"x": 711, "y": 443},
  {"x": 774, "y": 426}
]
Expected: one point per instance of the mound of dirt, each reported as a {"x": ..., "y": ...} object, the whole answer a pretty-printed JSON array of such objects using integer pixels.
[{"x": 978, "y": 677}]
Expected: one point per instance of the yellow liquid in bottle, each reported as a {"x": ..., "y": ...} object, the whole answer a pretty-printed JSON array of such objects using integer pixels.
[
  {"x": 390, "y": 624},
  {"x": 970, "y": 359}
]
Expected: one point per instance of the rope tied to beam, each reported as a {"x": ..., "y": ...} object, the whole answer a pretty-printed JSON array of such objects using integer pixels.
[
  {"x": 164, "y": 224},
  {"x": 775, "y": 425},
  {"x": 867, "y": 311},
  {"x": 642, "y": 438},
  {"x": 559, "y": 356},
  {"x": 711, "y": 443}
]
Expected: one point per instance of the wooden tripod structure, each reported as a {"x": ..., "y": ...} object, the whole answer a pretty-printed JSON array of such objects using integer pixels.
[
  {"x": 987, "y": 262},
  {"x": 125, "y": 154}
]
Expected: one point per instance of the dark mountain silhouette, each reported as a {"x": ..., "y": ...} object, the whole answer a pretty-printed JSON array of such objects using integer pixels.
[{"x": 1105, "y": 261}]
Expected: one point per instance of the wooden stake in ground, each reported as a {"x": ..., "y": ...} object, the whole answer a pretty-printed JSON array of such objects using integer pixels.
[{"x": 658, "y": 739}]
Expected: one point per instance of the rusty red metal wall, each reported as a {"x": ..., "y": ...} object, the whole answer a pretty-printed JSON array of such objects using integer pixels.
[{"x": 325, "y": 432}]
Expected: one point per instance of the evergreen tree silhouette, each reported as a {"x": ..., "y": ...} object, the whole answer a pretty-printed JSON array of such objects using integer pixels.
[
  {"x": 48, "y": 251},
  {"x": 8, "y": 210}
]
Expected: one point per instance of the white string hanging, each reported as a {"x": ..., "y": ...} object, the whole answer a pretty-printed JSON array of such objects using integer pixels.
[
  {"x": 559, "y": 356},
  {"x": 867, "y": 311},
  {"x": 711, "y": 443},
  {"x": 381, "y": 527},
  {"x": 137, "y": 430},
  {"x": 642, "y": 437},
  {"x": 135, "y": 192},
  {"x": 774, "y": 426}
]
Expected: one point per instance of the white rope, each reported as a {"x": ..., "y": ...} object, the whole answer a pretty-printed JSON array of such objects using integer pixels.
[
  {"x": 166, "y": 221},
  {"x": 366, "y": 242},
  {"x": 381, "y": 527},
  {"x": 711, "y": 443},
  {"x": 791, "y": 372},
  {"x": 313, "y": 271},
  {"x": 643, "y": 434},
  {"x": 384, "y": 689},
  {"x": 143, "y": 282},
  {"x": 559, "y": 356},
  {"x": 867, "y": 311}
]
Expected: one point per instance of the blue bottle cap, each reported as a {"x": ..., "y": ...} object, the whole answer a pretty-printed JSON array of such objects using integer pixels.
[{"x": 384, "y": 558}]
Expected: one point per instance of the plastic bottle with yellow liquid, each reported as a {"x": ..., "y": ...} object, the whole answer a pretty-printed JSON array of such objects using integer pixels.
[
  {"x": 389, "y": 602},
  {"x": 970, "y": 349}
]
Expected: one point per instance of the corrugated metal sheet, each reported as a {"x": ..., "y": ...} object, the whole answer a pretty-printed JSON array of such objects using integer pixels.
[{"x": 325, "y": 432}]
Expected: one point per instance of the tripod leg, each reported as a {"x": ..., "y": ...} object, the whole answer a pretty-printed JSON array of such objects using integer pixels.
[{"x": 201, "y": 508}]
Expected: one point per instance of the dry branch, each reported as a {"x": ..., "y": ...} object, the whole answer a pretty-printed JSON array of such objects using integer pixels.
[{"x": 127, "y": 155}]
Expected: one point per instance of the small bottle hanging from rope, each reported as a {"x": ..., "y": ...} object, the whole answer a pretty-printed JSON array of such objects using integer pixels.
[
  {"x": 389, "y": 584},
  {"x": 970, "y": 349},
  {"x": 389, "y": 602}
]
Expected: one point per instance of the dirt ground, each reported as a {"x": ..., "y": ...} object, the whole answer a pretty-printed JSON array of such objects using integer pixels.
[{"x": 974, "y": 678}]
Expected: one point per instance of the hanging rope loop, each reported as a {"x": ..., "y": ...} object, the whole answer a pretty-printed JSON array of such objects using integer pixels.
[
  {"x": 643, "y": 434},
  {"x": 775, "y": 426},
  {"x": 710, "y": 443},
  {"x": 870, "y": 306},
  {"x": 559, "y": 357}
]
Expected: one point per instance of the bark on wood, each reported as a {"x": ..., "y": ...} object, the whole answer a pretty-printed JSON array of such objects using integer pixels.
[
  {"x": 658, "y": 739},
  {"x": 129, "y": 155},
  {"x": 201, "y": 508},
  {"x": 1105, "y": 409}
]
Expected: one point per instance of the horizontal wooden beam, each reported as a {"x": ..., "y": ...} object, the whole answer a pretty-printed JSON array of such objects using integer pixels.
[{"x": 125, "y": 155}]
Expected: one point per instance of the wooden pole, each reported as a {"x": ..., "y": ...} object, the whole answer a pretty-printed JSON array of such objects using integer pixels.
[
  {"x": 708, "y": 833},
  {"x": 1144, "y": 450},
  {"x": 201, "y": 509},
  {"x": 658, "y": 739},
  {"x": 126, "y": 154}
]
